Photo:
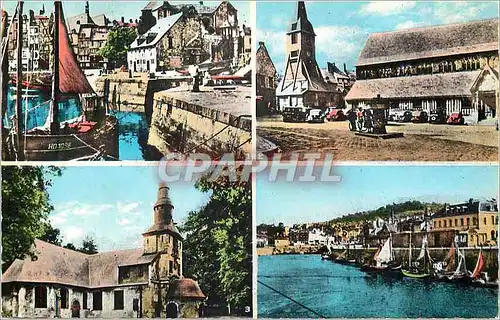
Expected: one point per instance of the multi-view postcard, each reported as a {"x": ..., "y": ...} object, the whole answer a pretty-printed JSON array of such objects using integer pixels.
[
  {"x": 411, "y": 81},
  {"x": 96, "y": 80}
]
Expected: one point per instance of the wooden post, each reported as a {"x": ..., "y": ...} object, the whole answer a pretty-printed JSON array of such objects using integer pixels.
[
  {"x": 54, "y": 123},
  {"x": 19, "y": 82}
]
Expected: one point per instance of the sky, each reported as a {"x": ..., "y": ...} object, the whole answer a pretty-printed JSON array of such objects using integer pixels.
[
  {"x": 342, "y": 27},
  {"x": 126, "y": 8},
  {"x": 369, "y": 187},
  {"x": 114, "y": 204}
]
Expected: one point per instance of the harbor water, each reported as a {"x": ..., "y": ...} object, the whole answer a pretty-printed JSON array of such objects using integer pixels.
[{"x": 334, "y": 290}]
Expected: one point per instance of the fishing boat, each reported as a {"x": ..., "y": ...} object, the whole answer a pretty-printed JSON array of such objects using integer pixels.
[
  {"x": 383, "y": 260},
  {"x": 417, "y": 270},
  {"x": 479, "y": 279},
  {"x": 89, "y": 134}
]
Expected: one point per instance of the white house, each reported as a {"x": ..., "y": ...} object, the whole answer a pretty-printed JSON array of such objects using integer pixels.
[{"x": 144, "y": 52}]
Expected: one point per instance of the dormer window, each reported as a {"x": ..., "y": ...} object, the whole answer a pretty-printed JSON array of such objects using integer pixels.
[
  {"x": 294, "y": 26},
  {"x": 294, "y": 38}
]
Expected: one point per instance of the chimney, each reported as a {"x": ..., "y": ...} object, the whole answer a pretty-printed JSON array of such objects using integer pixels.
[
  {"x": 345, "y": 69},
  {"x": 201, "y": 3},
  {"x": 87, "y": 9},
  {"x": 261, "y": 43},
  {"x": 123, "y": 20},
  {"x": 330, "y": 67}
]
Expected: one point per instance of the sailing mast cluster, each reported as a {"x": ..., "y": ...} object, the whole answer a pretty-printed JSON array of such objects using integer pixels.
[{"x": 77, "y": 123}]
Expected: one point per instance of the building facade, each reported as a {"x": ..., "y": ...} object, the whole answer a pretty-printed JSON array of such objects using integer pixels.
[
  {"x": 265, "y": 80},
  {"x": 143, "y": 282},
  {"x": 303, "y": 84},
  {"x": 476, "y": 221},
  {"x": 428, "y": 68}
]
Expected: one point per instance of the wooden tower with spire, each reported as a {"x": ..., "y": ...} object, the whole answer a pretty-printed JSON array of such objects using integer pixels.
[{"x": 303, "y": 84}]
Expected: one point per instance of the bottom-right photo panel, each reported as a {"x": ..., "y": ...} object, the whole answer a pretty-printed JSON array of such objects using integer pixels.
[{"x": 398, "y": 241}]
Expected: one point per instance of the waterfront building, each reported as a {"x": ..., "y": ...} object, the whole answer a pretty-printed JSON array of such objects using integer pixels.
[
  {"x": 428, "y": 68},
  {"x": 140, "y": 282},
  {"x": 303, "y": 84},
  {"x": 265, "y": 80},
  {"x": 476, "y": 222}
]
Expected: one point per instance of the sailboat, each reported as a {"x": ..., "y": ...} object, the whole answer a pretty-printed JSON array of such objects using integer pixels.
[
  {"x": 91, "y": 133},
  {"x": 424, "y": 256},
  {"x": 383, "y": 260},
  {"x": 449, "y": 261},
  {"x": 477, "y": 275}
]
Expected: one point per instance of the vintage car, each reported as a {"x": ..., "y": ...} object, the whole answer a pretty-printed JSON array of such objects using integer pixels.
[
  {"x": 437, "y": 116},
  {"x": 335, "y": 115},
  {"x": 419, "y": 116},
  {"x": 400, "y": 116},
  {"x": 295, "y": 114},
  {"x": 456, "y": 118},
  {"x": 315, "y": 115}
]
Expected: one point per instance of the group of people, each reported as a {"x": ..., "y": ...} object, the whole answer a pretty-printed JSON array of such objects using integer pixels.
[{"x": 360, "y": 119}]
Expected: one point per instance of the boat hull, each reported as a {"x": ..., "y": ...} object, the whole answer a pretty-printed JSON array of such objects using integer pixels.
[
  {"x": 66, "y": 147},
  {"x": 414, "y": 275}
]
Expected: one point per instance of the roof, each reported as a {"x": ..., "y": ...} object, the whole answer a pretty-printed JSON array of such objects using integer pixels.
[
  {"x": 301, "y": 87},
  {"x": 470, "y": 207},
  {"x": 75, "y": 21},
  {"x": 101, "y": 20},
  {"x": 453, "y": 84},
  {"x": 302, "y": 24},
  {"x": 156, "y": 33},
  {"x": 185, "y": 288},
  {"x": 54, "y": 264},
  {"x": 428, "y": 42},
  {"x": 263, "y": 60}
]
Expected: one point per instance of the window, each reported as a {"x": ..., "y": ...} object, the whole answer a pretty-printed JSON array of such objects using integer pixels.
[
  {"x": 493, "y": 235},
  {"x": 271, "y": 82},
  {"x": 85, "y": 300},
  {"x": 295, "y": 53},
  {"x": 294, "y": 38},
  {"x": 456, "y": 222},
  {"x": 485, "y": 220},
  {"x": 64, "y": 298},
  {"x": 170, "y": 266},
  {"x": 97, "y": 301},
  {"x": 170, "y": 43},
  {"x": 40, "y": 297},
  {"x": 435, "y": 224},
  {"x": 492, "y": 219},
  {"x": 462, "y": 222},
  {"x": 468, "y": 221},
  {"x": 118, "y": 299},
  {"x": 444, "y": 223},
  {"x": 440, "y": 223}
]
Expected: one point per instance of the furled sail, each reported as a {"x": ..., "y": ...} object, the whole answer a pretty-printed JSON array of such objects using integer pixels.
[
  {"x": 385, "y": 254},
  {"x": 423, "y": 251},
  {"x": 461, "y": 267},
  {"x": 71, "y": 77},
  {"x": 479, "y": 266},
  {"x": 450, "y": 258}
]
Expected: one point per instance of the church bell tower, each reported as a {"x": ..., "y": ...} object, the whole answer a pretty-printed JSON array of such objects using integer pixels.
[{"x": 162, "y": 237}]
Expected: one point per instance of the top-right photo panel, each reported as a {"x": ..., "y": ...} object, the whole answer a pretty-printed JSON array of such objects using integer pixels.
[{"x": 378, "y": 81}]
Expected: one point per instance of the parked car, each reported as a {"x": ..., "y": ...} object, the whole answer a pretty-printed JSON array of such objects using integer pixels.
[
  {"x": 419, "y": 116},
  {"x": 456, "y": 118},
  {"x": 315, "y": 115},
  {"x": 400, "y": 116},
  {"x": 295, "y": 114},
  {"x": 335, "y": 115},
  {"x": 437, "y": 116}
]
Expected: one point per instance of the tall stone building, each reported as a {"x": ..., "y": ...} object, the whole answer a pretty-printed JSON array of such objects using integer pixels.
[
  {"x": 265, "y": 80},
  {"x": 142, "y": 282},
  {"x": 303, "y": 84}
]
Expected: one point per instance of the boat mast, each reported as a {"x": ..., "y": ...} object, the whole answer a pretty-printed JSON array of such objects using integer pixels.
[
  {"x": 54, "y": 123},
  {"x": 409, "y": 254},
  {"x": 19, "y": 81}
]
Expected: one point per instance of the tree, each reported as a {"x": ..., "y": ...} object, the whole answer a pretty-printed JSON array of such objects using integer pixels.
[
  {"x": 117, "y": 44},
  {"x": 70, "y": 246},
  {"x": 25, "y": 209},
  {"x": 51, "y": 235},
  {"x": 88, "y": 246},
  {"x": 218, "y": 244}
]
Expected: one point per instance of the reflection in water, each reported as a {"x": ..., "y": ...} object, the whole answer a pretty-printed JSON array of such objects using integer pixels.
[
  {"x": 133, "y": 137},
  {"x": 336, "y": 290}
]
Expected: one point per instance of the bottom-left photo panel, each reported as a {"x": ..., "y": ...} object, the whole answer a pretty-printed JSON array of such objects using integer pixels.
[{"x": 108, "y": 241}]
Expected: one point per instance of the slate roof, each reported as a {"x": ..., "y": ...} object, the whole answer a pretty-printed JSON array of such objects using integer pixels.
[
  {"x": 470, "y": 208},
  {"x": 101, "y": 20},
  {"x": 72, "y": 22},
  {"x": 429, "y": 42},
  {"x": 453, "y": 84},
  {"x": 263, "y": 59},
  {"x": 185, "y": 288},
  {"x": 56, "y": 264},
  {"x": 156, "y": 33},
  {"x": 301, "y": 24}
]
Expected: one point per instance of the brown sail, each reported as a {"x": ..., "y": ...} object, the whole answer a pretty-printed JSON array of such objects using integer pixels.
[{"x": 71, "y": 77}]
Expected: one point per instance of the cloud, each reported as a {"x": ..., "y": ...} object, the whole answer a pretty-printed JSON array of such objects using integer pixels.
[
  {"x": 58, "y": 219},
  {"x": 81, "y": 209},
  {"x": 461, "y": 11},
  {"x": 274, "y": 41},
  {"x": 123, "y": 222},
  {"x": 408, "y": 24},
  {"x": 127, "y": 207},
  {"x": 339, "y": 43},
  {"x": 386, "y": 8},
  {"x": 72, "y": 234}
]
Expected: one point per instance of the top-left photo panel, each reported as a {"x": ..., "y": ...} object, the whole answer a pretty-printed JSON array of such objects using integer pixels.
[{"x": 96, "y": 80}]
